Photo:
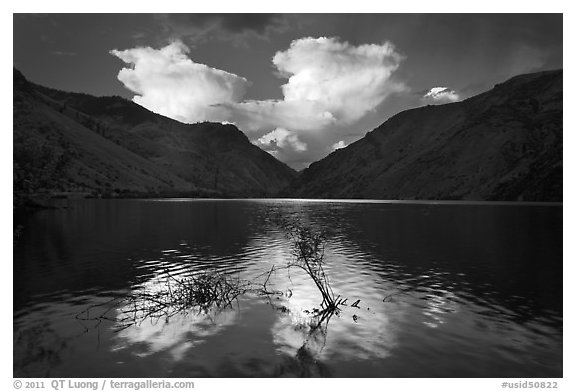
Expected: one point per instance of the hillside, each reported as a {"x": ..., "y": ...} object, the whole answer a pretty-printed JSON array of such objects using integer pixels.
[
  {"x": 79, "y": 143},
  {"x": 505, "y": 144}
]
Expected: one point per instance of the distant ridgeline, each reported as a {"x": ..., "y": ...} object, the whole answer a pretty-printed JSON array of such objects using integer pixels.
[{"x": 505, "y": 144}]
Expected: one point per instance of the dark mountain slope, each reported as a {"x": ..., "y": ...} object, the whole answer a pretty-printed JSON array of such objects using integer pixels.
[
  {"x": 53, "y": 152},
  {"x": 209, "y": 157},
  {"x": 505, "y": 144}
]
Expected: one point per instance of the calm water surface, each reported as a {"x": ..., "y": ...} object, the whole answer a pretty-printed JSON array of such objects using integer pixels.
[{"x": 445, "y": 290}]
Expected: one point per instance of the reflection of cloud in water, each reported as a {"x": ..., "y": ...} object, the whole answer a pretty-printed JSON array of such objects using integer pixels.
[
  {"x": 175, "y": 335},
  {"x": 372, "y": 336}
]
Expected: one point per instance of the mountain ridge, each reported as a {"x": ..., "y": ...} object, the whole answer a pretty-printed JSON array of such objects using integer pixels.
[
  {"x": 114, "y": 146},
  {"x": 504, "y": 144}
]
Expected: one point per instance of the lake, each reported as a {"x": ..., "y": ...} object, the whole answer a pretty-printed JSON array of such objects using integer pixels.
[{"x": 445, "y": 289}]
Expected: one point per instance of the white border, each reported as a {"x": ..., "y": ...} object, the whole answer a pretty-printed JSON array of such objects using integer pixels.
[{"x": 307, "y": 6}]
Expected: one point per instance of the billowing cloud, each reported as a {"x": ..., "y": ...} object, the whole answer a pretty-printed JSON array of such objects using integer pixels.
[
  {"x": 281, "y": 143},
  {"x": 345, "y": 80},
  {"x": 439, "y": 95},
  {"x": 257, "y": 116},
  {"x": 167, "y": 82},
  {"x": 339, "y": 145},
  {"x": 329, "y": 82}
]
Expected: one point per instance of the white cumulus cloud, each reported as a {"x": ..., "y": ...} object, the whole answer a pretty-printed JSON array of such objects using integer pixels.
[
  {"x": 168, "y": 82},
  {"x": 329, "y": 82},
  {"x": 281, "y": 138},
  {"x": 345, "y": 80},
  {"x": 441, "y": 95},
  {"x": 339, "y": 145},
  {"x": 282, "y": 143}
]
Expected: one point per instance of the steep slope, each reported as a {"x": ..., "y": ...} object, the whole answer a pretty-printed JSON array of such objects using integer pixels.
[
  {"x": 505, "y": 144},
  {"x": 53, "y": 152},
  {"x": 208, "y": 158},
  {"x": 210, "y": 155}
]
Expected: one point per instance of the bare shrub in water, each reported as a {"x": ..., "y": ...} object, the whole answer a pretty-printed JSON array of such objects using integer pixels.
[
  {"x": 308, "y": 255},
  {"x": 217, "y": 290},
  {"x": 199, "y": 293}
]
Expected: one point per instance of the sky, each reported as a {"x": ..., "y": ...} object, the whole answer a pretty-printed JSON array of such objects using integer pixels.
[{"x": 298, "y": 85}]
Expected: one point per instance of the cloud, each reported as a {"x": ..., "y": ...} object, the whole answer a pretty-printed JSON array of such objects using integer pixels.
[
  {"x": 346, "y": 80},
  {"x": 167, "y": 82},
  {"x": 339, "y": 145},
  {"x": 281, "y": 140},
  {"x": 329, "y": 82},
  {"x": 439, "y": 95},
  {"x": 257, "y": 116}
]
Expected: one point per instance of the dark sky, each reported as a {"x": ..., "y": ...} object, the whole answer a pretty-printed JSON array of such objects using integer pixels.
[{"x": 369, "y": 67}]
